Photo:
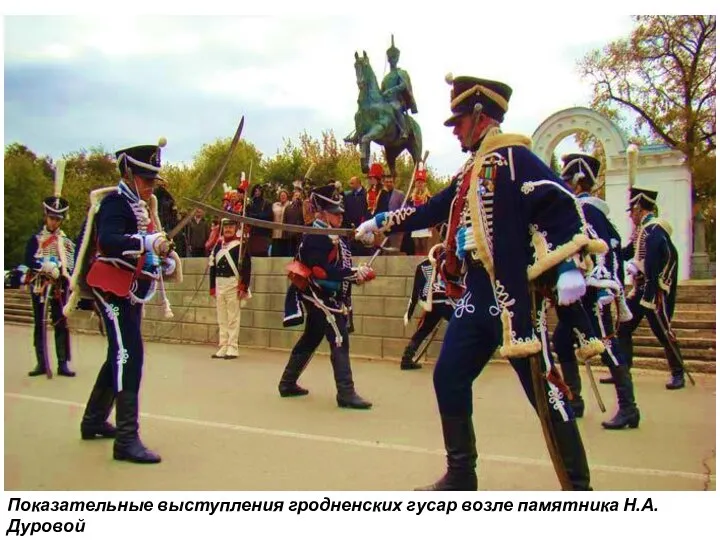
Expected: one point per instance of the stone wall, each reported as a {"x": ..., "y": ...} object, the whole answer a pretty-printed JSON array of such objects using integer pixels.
[{"x": 378, "y": 310}]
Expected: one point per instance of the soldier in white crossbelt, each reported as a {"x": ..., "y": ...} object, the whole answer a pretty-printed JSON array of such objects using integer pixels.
[{"x": 230, "y": 270}]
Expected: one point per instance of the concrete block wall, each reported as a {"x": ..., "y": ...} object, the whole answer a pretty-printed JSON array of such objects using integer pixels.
[{"x": 378, "y": 307}]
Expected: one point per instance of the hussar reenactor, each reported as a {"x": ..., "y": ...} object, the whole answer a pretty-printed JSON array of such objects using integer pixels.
[
  {"x": 50, "y": 258},
  {"x": 512, "y": 225},
  {"x": 605, "y": 290},
  {"x": 653, "y": 264},
  {"x": 322, "y": 276},
  {"x": 124, "y": 259}
]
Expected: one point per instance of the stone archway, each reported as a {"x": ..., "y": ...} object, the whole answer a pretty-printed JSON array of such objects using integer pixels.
[{"x": 659, "y": 168}]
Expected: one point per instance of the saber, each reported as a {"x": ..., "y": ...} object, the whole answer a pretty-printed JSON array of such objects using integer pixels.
[
  {"x": 407, "y": 195},
  {"x": 543, "y": 412},
  {"x": 594, "y": 386},
  {"x": 261, "y": 223},
  {"x": 208, "y": 189},
  {"x": 426, "y": 344}
]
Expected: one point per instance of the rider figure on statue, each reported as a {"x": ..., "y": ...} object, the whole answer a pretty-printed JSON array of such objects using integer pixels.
[{"x": 396, "y": 88}]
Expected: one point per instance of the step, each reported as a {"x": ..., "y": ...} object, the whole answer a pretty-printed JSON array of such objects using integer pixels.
[
  {"x": 692, "y": 306},
  {"x": 690, "y": 353},
  {"x": 19, "y": 319},
  {"x": 16, "y": 311},
  {"x": 18, "y": 305},
  {"x": 684, "y": 342},
  {"x": 695, "y": 297},
  {"x": 705, "y": 315},
  {"x": 655, "y": 364},
  {"x": 704, "y": 333},
  {"x": 682, "y": 323}
]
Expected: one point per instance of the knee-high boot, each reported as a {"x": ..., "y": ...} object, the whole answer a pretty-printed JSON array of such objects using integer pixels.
[
  {"x": 572, "y": 453},
  {"x": 288, "y": 386},
  {"x": 407, "y": 357},
  {"x": 628, "y": 413},
  {"x": 94, "y": 424},
  {"x": 459, "y": 436},
  {"x": 128, "y": 446},
  {"x": 346, "y": 395}
]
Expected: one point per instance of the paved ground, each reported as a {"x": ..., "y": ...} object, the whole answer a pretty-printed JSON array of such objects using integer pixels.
[{"x": 220, "y": 425}]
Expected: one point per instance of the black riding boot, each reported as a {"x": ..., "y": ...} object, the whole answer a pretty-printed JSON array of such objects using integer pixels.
[
  {"x": 407, "y": 357},
  {"x": 62, "y": 346},
  {"x": 346, "y": 395},
  {"x": 128, "y": 446},
  {"x": 628, "y": 413},
  {"x": 459, "y": 436},
  {"x": 288, "y": 386},
  {"x": 64, "y": 370},
  {"x": 572, "y": 453},
  {"x": 94, "y": 424},
  {"x": 39, "y": 370},
  {"x": 571, "y": 376}
]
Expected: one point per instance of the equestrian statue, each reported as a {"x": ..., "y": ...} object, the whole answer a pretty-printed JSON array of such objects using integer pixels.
[{"x": 382, "y": 116}]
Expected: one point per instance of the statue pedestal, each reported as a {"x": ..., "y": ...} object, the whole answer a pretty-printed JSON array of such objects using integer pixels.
[
  {"x": 700, "y": 266},
  {"x": 700, "y": 260}
]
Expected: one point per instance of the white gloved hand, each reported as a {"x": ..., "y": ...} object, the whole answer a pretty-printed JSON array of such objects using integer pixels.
[
  {"x": 152, "y": 242},
  {"x": 55, "y": 272},
  {"x": 168, "y": 265},
  {"x": 570, "y": 287},
  {"x": 632, "y": 269},
  {"x": 365, "y": 231}
]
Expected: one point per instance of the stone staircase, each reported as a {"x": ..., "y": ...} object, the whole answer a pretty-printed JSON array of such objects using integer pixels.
[{"x": 693, "y": 322}]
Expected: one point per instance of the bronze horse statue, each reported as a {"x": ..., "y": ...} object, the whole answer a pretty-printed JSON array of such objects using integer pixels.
[{"x": 375, "y": 121}]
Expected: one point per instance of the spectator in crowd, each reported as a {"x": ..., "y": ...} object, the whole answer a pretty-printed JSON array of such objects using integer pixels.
[
  {"x": 167, "y": 210},
  {"x": 198, "y": 233},
  {"x": 259, "y": 208},
  {"x": 294, "y": 216},
  {"x": 280, "y": 244},
  {"x": 181, "y": 240},
  {"x": 214, "y": 235},
  {"x": 356, "y": 211},
  {"x": 389, "y": 200},
  {"x": 375, "y": 178},
  {"x": 421, "y": 195}
]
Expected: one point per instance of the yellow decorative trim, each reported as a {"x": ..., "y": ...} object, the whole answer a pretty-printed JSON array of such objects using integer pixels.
[
  {"x": 650, "y": 305},
  {"x": 495, "y": 141},
  {"x": 592, "y": 347},
  {"x": 548, "y": 260},
  {"x": 597, "y": 246},
  {"x": 480, "y": 89},
  {"x": 520, "y": 350},
  {"x": 662, "y": 223}
]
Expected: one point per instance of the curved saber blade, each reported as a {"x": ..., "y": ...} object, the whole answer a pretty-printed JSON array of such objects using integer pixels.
[
  {"x": 594, "y": 386},
  {"x": 262, "y": 224},
  {"x": 208, "y": 189}
]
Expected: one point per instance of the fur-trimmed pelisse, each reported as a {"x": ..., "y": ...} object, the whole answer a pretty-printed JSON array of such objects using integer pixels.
[{"x": 80, "y": 271}]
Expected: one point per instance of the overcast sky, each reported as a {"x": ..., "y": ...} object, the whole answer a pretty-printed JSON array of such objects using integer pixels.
[{"x": 117, "y": 80}]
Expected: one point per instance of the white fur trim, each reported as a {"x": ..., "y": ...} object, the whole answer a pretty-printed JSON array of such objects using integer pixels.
[{"x": 96, "y": 197}]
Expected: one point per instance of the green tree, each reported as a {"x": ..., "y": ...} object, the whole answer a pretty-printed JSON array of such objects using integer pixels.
[
  {"x": 191, "y": 181},
  {"x": 85, "y": 171},
  {"x": 663, "y": 76},
  {"x": 28, "y": 180}
]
